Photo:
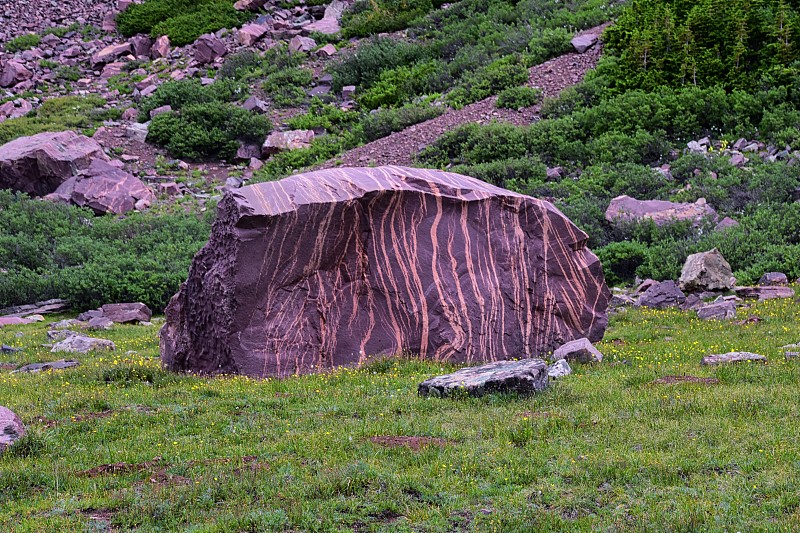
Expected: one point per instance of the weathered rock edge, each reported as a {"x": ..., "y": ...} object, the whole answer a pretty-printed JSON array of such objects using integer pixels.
[
  {"x": 523, "y": 377},
  {"x": 440, "y": 265}
]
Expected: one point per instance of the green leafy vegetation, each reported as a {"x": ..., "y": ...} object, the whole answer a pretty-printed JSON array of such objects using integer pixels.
[
  {"x": 518, "y": 97},
  {"x": 203, "y": 122},
  {"x": 55, "y": 251},
  {"x": 183, "y": 21},
  {"x": 735, "y": 44},
  {"x": 79, "y": 113},
  {"x": 602, "y": 449},
  {"x": 23, "y": 42}
]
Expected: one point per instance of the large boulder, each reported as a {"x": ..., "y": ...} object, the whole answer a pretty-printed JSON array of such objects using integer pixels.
[
  {"x": 209, "y": 47},
  {"x": 105, "y": 188},
  {"x": 127, "y": 312},
  {"x": 14, "y": 73},
  {"x": 283, "y": 141},
  {"x": 11, "y": 428},
  {"x": 39, "y": 164},
  {"x": 706, "y": 271},
  {"x": 662, "y": 295},
  {"x": 626, "y": 209},
  {"x": 331, "y": 267}
]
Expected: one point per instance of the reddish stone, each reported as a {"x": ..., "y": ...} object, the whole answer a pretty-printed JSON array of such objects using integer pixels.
[
  {"x": 282, "y": 141},
  {"x": 107, "y": 189},
  {"x": 127, "y": 312},
  {"x": 39, "y": 164},
  {"x": 160, "y": 47},
  {"x": 332, "y": 267},
  {"x": 11, "y": 428},
  {"x": 208, "y": 47},
  {"x": 249, "y": 34},
  {"x": 110, "y": 53},
  {"x": 14, "y": 73},
  {"x": 627, "y": 209},
  {"x": 141, "y": 45},
  {"x": 13, "y": 321}
]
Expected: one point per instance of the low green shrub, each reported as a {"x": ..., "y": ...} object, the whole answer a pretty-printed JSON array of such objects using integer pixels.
[
  {"x": 370, "y": 17},
  {"x": 287, "y": 87},
  {"x": 79, "y": 113},
  {"x": 500, "y": 74},
  {"x": 518, "y": 97},
  {"x": 23, "y": 42},
  {"x": 56, "y": 251},
  {"x": 178, "y": 94},
  {"x": 207, "y": 130},
  {"x": 182, "y": 20},
  {"x": 620, "y": 261},
  {"x": 383, "y": 122}
]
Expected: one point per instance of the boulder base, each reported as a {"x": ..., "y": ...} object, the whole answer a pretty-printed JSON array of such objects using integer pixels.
[
  {"x": 331, "y": 267},
  {"x": 524, "y": 377}
]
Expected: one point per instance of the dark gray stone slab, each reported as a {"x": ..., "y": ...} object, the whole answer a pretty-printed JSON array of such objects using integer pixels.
[
  {"x": 525, "y": 376},
  {"x": 732, "y": 357}
]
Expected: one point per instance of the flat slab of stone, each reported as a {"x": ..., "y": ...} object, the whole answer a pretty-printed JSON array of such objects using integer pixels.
[
  {"x": 626, "y": 209},
  {"x": 34, "y": 368},
  {"x": 764, "y": 293},
  {"x": 127, "y": 312},
  {"x": 582, "y": 43},
  {"x": 579, "y": 350},
  {"x": 791, "y": 351},
  {"x": 11, "y": 428},
  {"x": 732, "y": 357},
  {"x": 524, "y": 377}
]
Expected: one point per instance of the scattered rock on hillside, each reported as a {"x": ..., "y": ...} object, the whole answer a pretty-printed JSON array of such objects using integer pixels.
[
  {"x": 208, "y": 47},
  {"x": 764, "y": 293},
  {"x": 579, "y": 350},
  {"x": 724, "y": 310},
  {"x": 302, "y": 44},
  {"x": 39, "y": 164},
  {"x": 731, "y": 357},
  {"x": 706, "y": 271},
  {"x": 77, "y": 343},
  {"x": 559, "y": 369},
  {"x": 127, "y": 312},
  {"x": 104, "y": 188},
  {"x": 329, "y": 23},
  {"x": 771, "y": 279},
  {"x": 160, "y": 47},
  {"x": 524, "y": 377},
  {"x": 249, "y": 34},
  {"x": 99, "y": 322},
  {"x": 110, "y": 53},
  {"x": 582, "y": 43},
  {"x": 725, "y": 223},
  {"x": 662, "y": 295},
  {"x": 13, "y": 73},
  {"x": 626, "y": 209},
  {"x": 283, "y": 141},
  {"x": 55, "y": 305},
  {"x": 11, "y": 428},
  {"x": 326, "y": 268},
  {"x": 34, "y": 368}
]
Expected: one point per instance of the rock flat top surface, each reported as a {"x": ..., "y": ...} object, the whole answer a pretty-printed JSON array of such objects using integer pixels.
[
  {"x": 331, "y": 267},
  {"x": 525, "y": 376},
  {"x": 732, "y": 357}
]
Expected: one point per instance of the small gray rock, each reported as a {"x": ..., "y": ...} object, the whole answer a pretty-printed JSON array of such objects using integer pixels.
[
  {"x": 76, "y": 343},
  {"x": 731, "y": 357},
  {"x": 724, "y": 310},
  {"x": 559, "y": 369},
  {"x": 11, "y": 428}
]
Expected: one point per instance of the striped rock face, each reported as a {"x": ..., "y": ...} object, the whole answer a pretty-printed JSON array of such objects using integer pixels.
[{"x": 332, "y": 267}]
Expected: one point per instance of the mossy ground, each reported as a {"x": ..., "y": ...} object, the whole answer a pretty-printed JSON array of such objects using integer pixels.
[{"x": 603, "y": 449}]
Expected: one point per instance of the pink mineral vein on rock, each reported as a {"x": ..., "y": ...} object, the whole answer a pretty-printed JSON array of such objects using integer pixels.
[{"x": 331, "y": 267}]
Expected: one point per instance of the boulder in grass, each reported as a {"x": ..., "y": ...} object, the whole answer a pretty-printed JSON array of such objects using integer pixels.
[
  {"x": 662, "y": 295},
  {"x": 14, "y": 321},
  {"x": 523, "y": 377},
  {"x": 579, "y": 350},
  {"x": 34, "y": 368},
  {"x": 627, "y": 209},
  {"x": 331, "y": 267},
  {"x": 791, "y": 351},
  {"x": 771, "y": 279},
  {"x": 208, "y": 47},
  {"x": 284, "y": 141},
  {"x": 127, "y": 312},
  {"x": 11, "y": 428},
  {"x": 706, "y": 271},
  {"x": 581, "y": 43},
  {"x": 76, "y": 343},
  {"x": 732, "y": 357},
  {"x": 724, "y": 310}
]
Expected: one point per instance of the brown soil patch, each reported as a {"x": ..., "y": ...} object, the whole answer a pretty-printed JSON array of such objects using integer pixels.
[
  {"x": 413, "y": 443},
  {"x": 752, "y": 319},
  {"x": 672, "y": 380},
  {"x": 119, "y": 468},
  {"x": 100, "y": 518},
  {"x": 47, "y": 423},
  {"x": 7, "y": 366},
  {"x": 161, "y": 478}
]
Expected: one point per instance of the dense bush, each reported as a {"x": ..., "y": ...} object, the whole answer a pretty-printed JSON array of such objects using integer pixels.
[
  {"x": 182, "y": 20},
  {"x": 707, "y": 42},
  {"x": 370, "y": 17},
  {"x": 78, "y": 113},
  {"x": 286, "y": 87},
  {"x": 383, "y": 122},
  {"x": 55, "y": 251},
  {"x": 203, "y": 123},
  {"x": 518, "y": 97},
  {"x": 213, "y": 129}
]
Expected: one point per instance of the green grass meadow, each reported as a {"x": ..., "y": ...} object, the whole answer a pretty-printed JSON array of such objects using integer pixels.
[{"x": 118, "y": 444}]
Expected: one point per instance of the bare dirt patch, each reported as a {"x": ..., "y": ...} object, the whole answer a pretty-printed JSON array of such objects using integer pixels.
[
  {"x": 672, "y": 380},
  {"x": 119, "y": 468},
  {"x": 413, "y": 443}
]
